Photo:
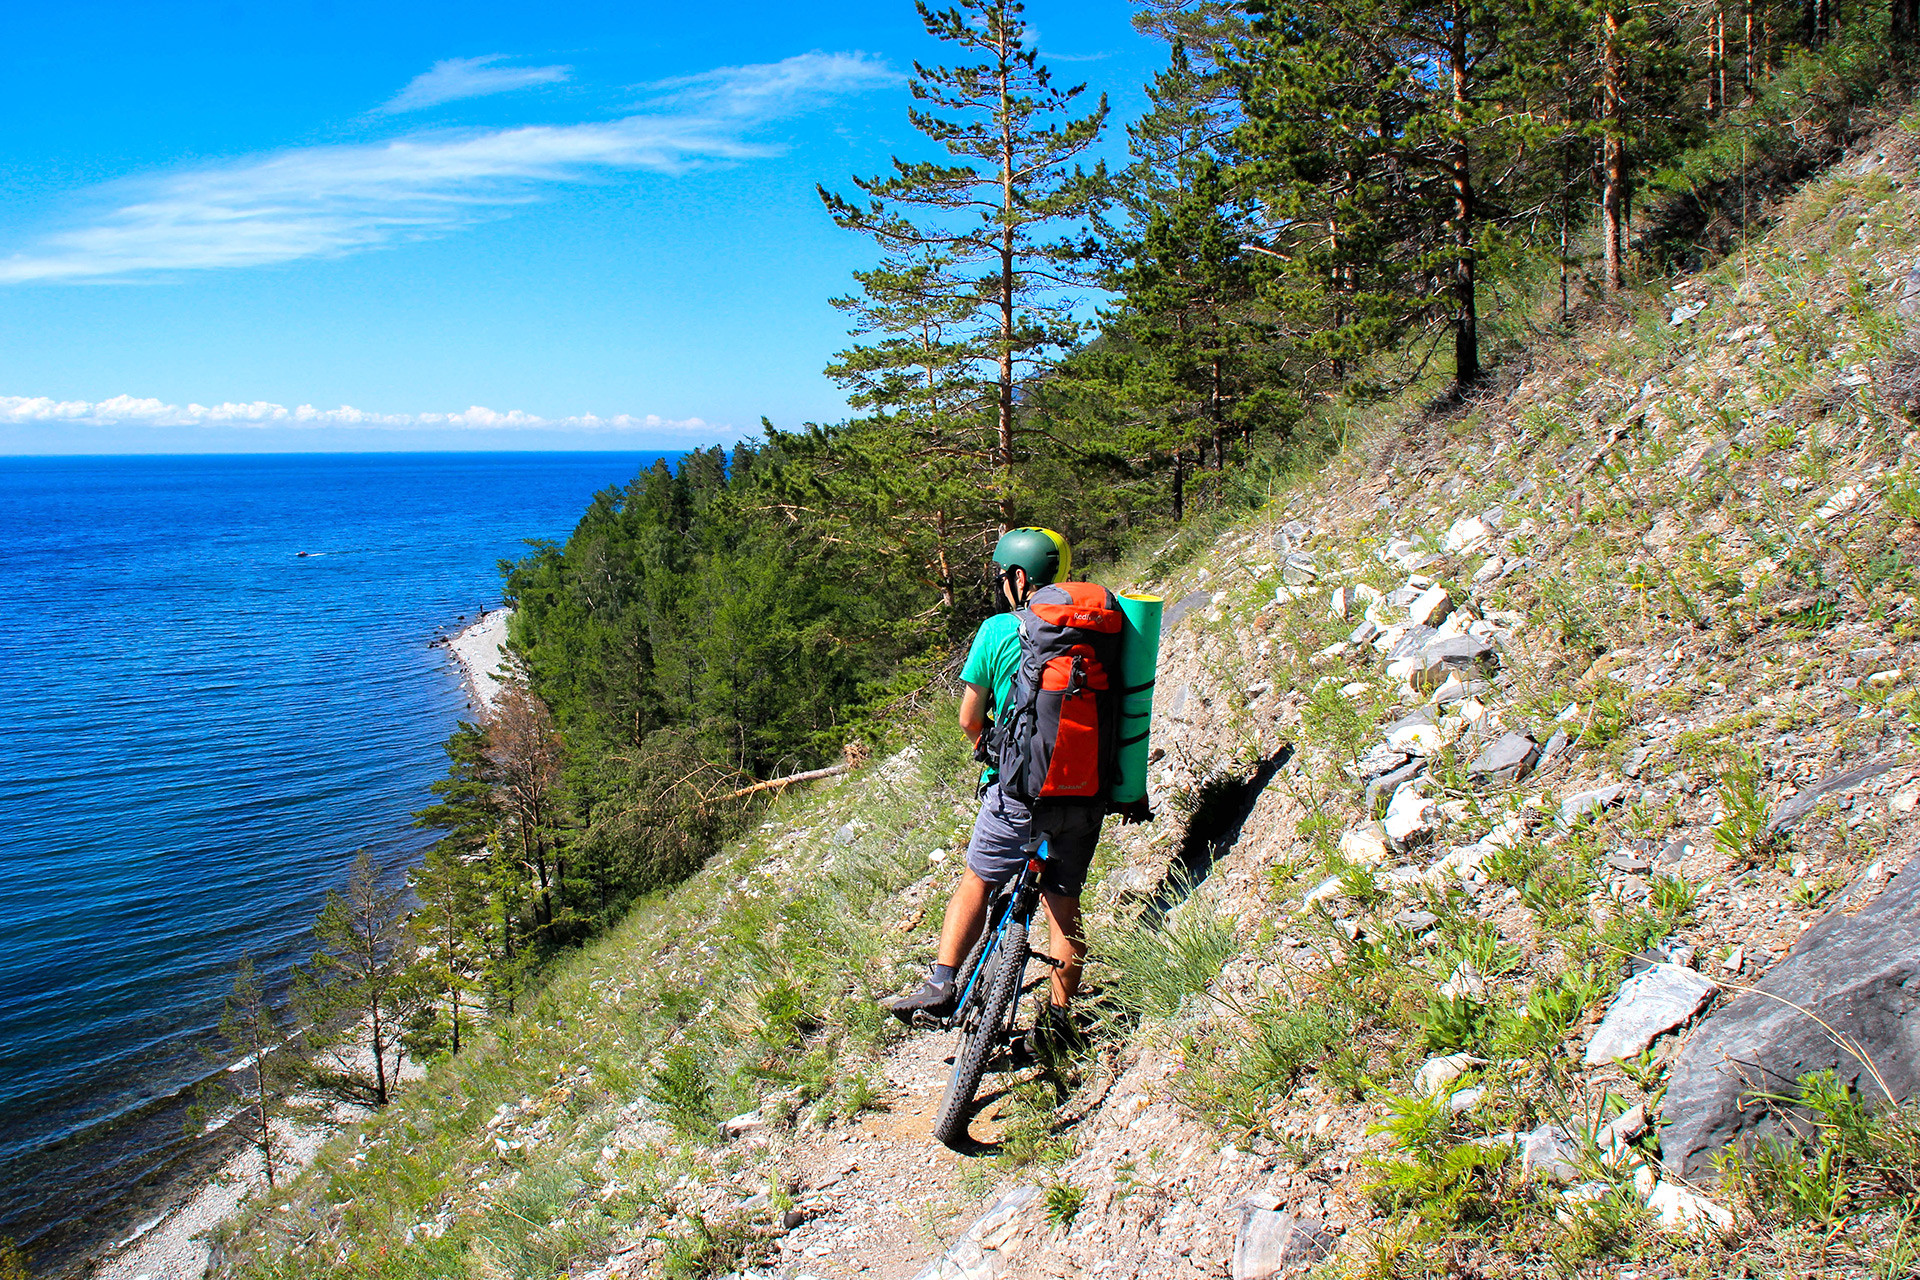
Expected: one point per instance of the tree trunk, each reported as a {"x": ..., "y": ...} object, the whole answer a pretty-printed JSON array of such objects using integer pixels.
[
  {"x": 1566, "y": 247},
  {"x": 942, "y": 564},
  {"x": 534, "y": 850},
  {"x": 1216, "y": 417},
  {"x": 1179, "y": 486},
  {"x": 1006, "y": 290},
  {"x": 379, "y": 1057},
  {"x": 1466, "y": 330},
  {"x": 1746, "y": 52},
  {"x": 1613, "y": 154},
  {"x": 261, "y": 1103},
  {"x": 1716, "y": 61}
]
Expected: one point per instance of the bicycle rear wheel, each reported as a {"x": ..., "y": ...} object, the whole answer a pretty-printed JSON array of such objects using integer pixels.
[{"x": 977, "y": 1040}]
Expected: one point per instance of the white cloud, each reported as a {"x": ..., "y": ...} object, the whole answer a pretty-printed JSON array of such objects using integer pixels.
[
  {"x": 329, "y": 201},
  {"x": 135, "y": 411},
  {"x": 454, "y": 78},
  {"x": 772, "y": 88}
]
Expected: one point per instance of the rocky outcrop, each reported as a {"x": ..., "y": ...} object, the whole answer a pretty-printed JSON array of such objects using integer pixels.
[{"x": 1856, "y": 972}]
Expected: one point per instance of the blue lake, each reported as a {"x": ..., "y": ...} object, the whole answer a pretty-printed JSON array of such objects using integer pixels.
[{"x": 199, "y": 728}]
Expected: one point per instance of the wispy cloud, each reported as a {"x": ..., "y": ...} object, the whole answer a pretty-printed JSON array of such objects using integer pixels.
[
  {"x": 148, "y": 412},
  {"x": 454, "y": 78},
  {"x": 770, "y": 89},
  {"x": 328, "y": 201}
]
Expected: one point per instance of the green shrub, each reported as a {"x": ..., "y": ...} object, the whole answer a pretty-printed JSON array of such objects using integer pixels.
[
  {"x": 1742, "y": 834},
  {"x": 1451, "y": 1023},
  {"x": 1853, "y": 1160},
  {"x": 1444, "y": 1181},
  {"x": 684, "y": 1091},
  {"x": 1153, "y": 971},
  {"x": 1064, "y": 1201}
]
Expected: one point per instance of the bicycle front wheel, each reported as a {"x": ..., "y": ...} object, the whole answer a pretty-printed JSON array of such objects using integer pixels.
[{"x": 978, "y": 1038}]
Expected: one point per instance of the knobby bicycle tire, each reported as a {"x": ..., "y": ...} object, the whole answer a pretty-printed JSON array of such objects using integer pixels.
[
  {"x": 964, "y": 975},
  {"x": 976, "y": 1044}
]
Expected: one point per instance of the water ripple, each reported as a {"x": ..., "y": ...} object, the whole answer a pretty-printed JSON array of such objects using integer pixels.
[{"x": 202, "y": 728}]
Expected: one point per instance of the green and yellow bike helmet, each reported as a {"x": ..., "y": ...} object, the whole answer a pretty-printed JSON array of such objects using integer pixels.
[{"x": 1044, "y": 554}]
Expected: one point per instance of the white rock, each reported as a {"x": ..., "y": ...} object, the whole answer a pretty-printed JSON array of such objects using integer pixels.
[
  {"x": 1366, "y": 845},
  {"x": 1649, "y": 1005},
  {"x": 1489, "y": 570},
  {"x": 1423, "y": 738},
  {"x": 1462, "y": 862},
  {"x": 1410, "y": 816},
  {"x": 744, "y": 1123},
  {"x": 1581, "y": 803},
  {"x": 1677, "y": 1209},
  {"x": 1326, "y": 889},
  {"x": 1435, "y": 1074},
  {"x": 1469, "y": 533},
  {"x": 1465, "y": 981},
  {"x": 1431, "y": 609},
  {"x": 1881, "y": 679}
]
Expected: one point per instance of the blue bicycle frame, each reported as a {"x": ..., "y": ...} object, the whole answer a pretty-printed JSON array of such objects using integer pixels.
[{"x": 1010, "y": 896}]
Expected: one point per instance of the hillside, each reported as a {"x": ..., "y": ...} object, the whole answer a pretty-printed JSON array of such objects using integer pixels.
[{"x": 1352, "y": 978}]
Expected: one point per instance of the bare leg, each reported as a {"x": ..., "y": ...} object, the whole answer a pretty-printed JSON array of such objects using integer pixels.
[
  {"x": 966, "y": 909},
  {"x": 1065, "y": 945}
]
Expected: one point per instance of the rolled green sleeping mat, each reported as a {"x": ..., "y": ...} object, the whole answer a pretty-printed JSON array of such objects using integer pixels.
[{"x": 1139, "y": 657}]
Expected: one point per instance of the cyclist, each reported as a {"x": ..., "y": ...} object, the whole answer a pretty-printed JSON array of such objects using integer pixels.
[{"x": 1025, "y": 560}]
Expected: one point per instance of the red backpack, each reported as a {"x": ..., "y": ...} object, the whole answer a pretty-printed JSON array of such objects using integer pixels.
[{"x": 1059, "y": 738}]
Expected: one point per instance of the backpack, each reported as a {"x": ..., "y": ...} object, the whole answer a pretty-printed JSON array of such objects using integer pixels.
[{"x": 1059, "y": 732}]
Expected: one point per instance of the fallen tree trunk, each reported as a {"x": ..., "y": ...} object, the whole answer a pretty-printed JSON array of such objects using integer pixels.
[{"x": 811, "y": 775}]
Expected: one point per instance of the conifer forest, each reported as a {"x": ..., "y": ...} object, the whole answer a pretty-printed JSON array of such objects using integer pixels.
[{"x": 1327, "y": 205}]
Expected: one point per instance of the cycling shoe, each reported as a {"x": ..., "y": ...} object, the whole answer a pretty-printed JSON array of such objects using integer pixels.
[{"x": 933, "y": 1000}]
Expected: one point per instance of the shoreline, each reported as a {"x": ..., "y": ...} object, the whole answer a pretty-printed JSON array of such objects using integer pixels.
[
  {"x": 173, "y": 1244},
  {"x": 478, "y": 650}
]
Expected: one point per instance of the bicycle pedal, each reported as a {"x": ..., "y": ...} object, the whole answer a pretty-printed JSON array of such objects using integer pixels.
[{"x": 1045, "y": 959}]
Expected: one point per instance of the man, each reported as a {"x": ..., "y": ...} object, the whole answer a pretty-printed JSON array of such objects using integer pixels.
[{"x": 1028, "y": 559}]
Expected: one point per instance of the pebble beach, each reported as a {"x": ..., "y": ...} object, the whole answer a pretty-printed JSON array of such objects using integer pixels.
[{"x": 175, "y": 1244}]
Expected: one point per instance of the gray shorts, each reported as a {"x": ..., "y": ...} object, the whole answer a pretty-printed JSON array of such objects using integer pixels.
[{"x": 999, "y": 846}]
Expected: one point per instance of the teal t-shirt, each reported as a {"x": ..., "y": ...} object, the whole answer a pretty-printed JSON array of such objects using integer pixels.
[
  {"x": 992, "y": 664},
  {"x": 994, "y": 659}
]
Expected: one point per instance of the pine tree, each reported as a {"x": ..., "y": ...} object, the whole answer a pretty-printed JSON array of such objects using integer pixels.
[
  {"x": 905, "y": 479},
  {"x": 969, "y": 242},
  {"x": 361, "y": 977},
  {"x": 263, "y": 1069},
  {"x": 1332, "y": 151},
  {"x": 524, "y": 758},
  {"x": 449, "y": 931}
]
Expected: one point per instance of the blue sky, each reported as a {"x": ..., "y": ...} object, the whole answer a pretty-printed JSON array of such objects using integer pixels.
[{"x": 321, "y": 224}]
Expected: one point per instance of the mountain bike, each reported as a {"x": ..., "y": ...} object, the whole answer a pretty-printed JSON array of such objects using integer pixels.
[{"x": 992, "y": 978}]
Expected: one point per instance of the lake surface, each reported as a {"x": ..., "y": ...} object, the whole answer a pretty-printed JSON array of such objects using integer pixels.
[{"x": 199, "y": 728}]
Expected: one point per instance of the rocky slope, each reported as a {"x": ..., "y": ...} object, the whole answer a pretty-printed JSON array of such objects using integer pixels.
[{"x": 1495, "y": 763}]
